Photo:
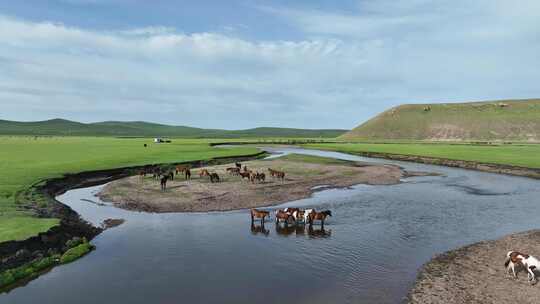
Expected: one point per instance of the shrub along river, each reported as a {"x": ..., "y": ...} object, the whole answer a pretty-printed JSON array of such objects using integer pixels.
[{"x": 369, "y": 252}]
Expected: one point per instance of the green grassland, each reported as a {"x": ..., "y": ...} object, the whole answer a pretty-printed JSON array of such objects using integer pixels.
[
  {"x": 504, "y": 120},
  {"x": 62, "y": 127},
  {"x": 510, "y": 154},
  {"x": 26, "y": 160}
]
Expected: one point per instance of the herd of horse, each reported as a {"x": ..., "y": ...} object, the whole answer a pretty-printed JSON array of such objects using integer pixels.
[
  {"x": 164, "y": 175},
  {"x": 293, "y": 216}
]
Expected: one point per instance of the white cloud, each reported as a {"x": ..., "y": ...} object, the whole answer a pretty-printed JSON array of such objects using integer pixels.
[{"x": 353, "y": 66}]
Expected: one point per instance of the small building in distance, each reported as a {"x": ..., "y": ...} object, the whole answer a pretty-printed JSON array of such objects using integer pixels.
[{"x": 159, "y": 140}]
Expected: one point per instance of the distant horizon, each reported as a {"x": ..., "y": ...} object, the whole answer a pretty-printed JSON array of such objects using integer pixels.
[
  {"x": 307, "y": 64},
  {"x": 168, "y": 125}
]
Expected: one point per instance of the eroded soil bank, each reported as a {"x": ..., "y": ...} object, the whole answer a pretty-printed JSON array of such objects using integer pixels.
[
  {"x": 476, "y": 274},
  {"x": 303, "y": 173}
]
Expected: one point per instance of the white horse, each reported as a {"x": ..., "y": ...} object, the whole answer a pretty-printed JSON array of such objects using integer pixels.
[
  {"x": 513, "y": 258},
  {"x": 306, "y": 214},
  {"x": 531, "y": 263}
]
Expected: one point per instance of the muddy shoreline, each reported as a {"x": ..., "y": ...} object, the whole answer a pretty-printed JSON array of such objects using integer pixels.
[
  {"x": 16, "y": 253},
  {"x": 476, "y": 274}
]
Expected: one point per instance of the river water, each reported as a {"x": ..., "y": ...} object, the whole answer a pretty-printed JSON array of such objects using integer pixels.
[{"x": 369, "y": 252}]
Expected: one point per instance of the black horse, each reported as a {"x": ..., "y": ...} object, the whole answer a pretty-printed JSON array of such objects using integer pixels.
[
  {"x": 163, "y": 182},
  {"x": 214, "y": 178}
]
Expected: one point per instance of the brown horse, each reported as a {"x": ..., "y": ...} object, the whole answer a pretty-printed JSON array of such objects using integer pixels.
[
  {"x": 233, "y": 171},
  {"x": 276, "y": 173},
  {"x": 204, "y": 172},
  {"x": 255, "y": 213},
  {"x": 245, "y": 175},
  {"x": 321, "y": 216},
  {"x": 181, "y": 169},
  {"x": 284, "y": 216}
]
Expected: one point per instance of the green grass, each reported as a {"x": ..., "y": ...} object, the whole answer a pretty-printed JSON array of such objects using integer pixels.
[
  {"x": 76, "y": 252},
  {"x": 26, "y": 160},
  {"x": 517, "y": 155},
  {"x": 515, "y": 120},
  {"x": 32, "y": 269}
]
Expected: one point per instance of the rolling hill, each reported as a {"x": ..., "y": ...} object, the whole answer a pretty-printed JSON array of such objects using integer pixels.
[
  {"x": 502, "y": 120},
  {"x": 62, "y": 127}
]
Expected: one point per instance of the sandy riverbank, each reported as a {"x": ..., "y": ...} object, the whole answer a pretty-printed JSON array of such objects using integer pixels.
[
  {"x": 476, "y": 274},
  {"x": 303, "y": 173}
]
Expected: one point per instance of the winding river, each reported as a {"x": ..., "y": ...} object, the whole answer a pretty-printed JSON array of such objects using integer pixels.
[{"x": 369, "y": 253}]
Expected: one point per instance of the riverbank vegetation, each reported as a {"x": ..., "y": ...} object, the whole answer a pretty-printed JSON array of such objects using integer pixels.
[
  {"x": 76, "y": 248},
  {"x": 523, "y": 155},
  {"x": 29, "y": 160}
]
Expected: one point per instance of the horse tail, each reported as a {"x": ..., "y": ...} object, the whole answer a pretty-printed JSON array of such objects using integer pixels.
[{"x": 507, "y": 260}]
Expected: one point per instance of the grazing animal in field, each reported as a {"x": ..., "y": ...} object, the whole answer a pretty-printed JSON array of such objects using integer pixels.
[
  {"x": 187, "y": 174},
  {"x": 283, "y": 216},
  {"x": 245, "y": 175},
  {"x": 204, "y": 172},
  {"x": 529, "y": 262},
  {"x": 277, "y": 174},
  {"x": 163, "y": 182},
  {"x": 233, "y": 171},
  {"x": 181, "y": 169},
  {"x": 238, "y": 165},
  {"x": 214, "y": 178},
  {"x": 255, "y": 213},
  {"x": 321, "y": 216}
]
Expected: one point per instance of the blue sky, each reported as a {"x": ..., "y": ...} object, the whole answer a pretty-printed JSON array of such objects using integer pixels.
[{"x": 239, "y": 64}]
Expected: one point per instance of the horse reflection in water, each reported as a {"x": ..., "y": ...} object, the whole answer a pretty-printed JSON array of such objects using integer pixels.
[
  {"x": 319, "y": 233},
  {"x": 302, "y": 230},
  {"x": 259, "y": 229},
  {"x": 288, "y": 230}
]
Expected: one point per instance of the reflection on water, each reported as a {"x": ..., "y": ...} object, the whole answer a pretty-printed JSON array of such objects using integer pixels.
[
  {"x": 259, "y": 229},
  {"x": 369, "y": 251}
]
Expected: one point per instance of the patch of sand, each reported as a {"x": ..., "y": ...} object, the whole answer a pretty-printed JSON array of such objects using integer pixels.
[
  {"x": 476, "y": 274},
  {"x": 199, "y": 194}
]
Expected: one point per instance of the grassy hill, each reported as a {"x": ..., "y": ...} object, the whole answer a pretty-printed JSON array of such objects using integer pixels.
[
  {"x": 503, "y": 120},
  {"x": 61, "y": 127}
]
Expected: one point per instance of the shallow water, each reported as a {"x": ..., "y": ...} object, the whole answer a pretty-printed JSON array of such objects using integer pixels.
[{"x": 369, "y": 252}]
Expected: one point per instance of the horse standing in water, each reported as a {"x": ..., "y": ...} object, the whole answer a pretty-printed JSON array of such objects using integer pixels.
[
  {"x": 283, "y": 216},
  {"x": 163, "y": 182},
  {"x": 255, "y": 213},
  {"x": 321, "y": 216}
]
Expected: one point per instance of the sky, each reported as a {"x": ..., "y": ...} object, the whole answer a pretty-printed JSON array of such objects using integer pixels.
[{"x": 240, "y": 64}]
